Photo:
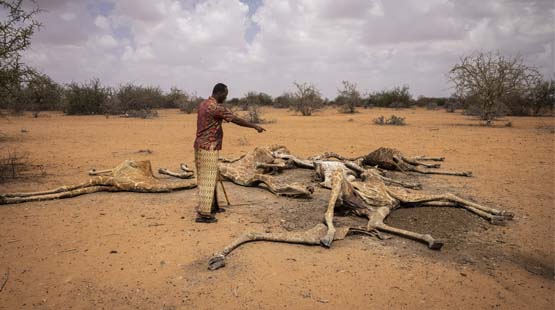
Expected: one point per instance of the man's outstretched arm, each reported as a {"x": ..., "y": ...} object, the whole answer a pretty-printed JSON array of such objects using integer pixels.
[{"x": 244, "y": 123}]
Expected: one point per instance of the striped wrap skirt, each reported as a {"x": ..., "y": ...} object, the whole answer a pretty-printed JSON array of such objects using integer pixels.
[{"x": 206, "y": 163}]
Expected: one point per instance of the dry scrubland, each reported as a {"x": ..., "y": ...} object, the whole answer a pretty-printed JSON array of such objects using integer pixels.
[{"x": 58, "y": 253}]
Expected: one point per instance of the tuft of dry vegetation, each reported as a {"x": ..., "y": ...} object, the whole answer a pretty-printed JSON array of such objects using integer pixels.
[
  {"x": 394, "y": 120},
  {"x": 14, "y": 165}
]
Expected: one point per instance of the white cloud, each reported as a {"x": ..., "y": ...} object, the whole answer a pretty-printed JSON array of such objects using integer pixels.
[
  {"x": 193, "y": 44},
  {"x": 102, "y": 22}
]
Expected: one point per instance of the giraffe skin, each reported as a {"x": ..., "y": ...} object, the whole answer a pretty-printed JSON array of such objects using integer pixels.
[
  {"x": 251, "y": 170},
  {"x": 369, "y": 197},
  {"x": 128, "y": 176}
]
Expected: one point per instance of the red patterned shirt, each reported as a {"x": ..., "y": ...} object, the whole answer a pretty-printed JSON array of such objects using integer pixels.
[{"x": 209, "y": 124}]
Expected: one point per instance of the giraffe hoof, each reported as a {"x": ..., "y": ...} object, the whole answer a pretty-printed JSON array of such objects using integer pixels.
[
  {"x": 498, "y": 220},
  {"x": 467, "y": 173},
  {"x": 326, "y": 241},
  {"x": 507, "y": 215},
  {"x": 435, "y": 245},
  {"x": 216, "y": 262}
]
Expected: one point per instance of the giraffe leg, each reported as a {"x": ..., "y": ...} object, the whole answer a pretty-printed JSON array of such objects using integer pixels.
[
  {"x": 309, "y": 237},
  {"x": 432, "y": 243},
  {"x": 337, "y": 180},
  {"x": 341, "y": 158},
  {"x": 375, "y": 221},
  {"x": 401, "y": 183},
  {"x": 414, "y": 162},
  {"x": 91, "y": 182},
  {"x": 163, "y": 187},
  {"x": 495, "y": 216},
  {"x": 418, "y": 158},
  {"x": 293, "y": 189},
  {"x": 182, "y": 175},
  {"x": 401, "y": 165},
  {"x": 93, "y": 171},
  {"x": 66, "y": 194},
  {"x": 185, "y": 168},
  {"x": 443, "y": 172},
  {"x": 300, "y": 163}
]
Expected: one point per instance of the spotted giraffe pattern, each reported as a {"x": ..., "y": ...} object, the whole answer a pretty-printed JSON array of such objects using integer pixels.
[
  {"x": 247, "y": 171},
  {"x": 369, "y": 197},
  {"x": 129, "y": 176},
  {"x": 392, "y": 159}
]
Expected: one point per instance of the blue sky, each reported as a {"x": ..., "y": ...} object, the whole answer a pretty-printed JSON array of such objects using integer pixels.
[{"x": 267, "y": 45}]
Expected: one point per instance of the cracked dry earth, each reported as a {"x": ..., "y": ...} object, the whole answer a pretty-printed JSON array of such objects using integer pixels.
[{"x": 144, "y": 251}]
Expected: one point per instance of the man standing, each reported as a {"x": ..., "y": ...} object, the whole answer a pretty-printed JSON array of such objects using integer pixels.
[{"x": 208, "y": 143}]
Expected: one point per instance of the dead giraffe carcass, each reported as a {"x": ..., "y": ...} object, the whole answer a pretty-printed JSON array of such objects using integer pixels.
[
  {"x": 252, "y": 169},
  {"x": 367, "y": 197},
  {"x": 129, "y": 176},
  {"x": 392, "y": 159}
]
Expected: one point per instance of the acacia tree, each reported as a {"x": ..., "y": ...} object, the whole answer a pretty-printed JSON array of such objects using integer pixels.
[
  {"x": 16, "y": 29},
  {"x": 307, "y": 98},
  {"x": 543, "y": 96},
  {"x": 40, "y": 93},
  {"x": 490, "y": 78},
  {"x": 349, "y": 97}
]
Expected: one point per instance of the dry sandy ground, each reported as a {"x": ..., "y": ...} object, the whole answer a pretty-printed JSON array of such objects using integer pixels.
[{"x": 143, "y": 251}]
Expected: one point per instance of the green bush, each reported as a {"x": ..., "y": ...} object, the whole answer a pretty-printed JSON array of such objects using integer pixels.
[
  {"x": 284, "y": 101},
  {"x": 190, "y": 104},
  {"x": 41, "y": 93},
  {"x": 132, "y": 97},
  {"x": 431, "y": 103},
  {"x": 398, "y": 97},
  {"x": 174, "y": 98},
  {"x": 252, "y": 99},
  {"x": 87, "y": 98}
]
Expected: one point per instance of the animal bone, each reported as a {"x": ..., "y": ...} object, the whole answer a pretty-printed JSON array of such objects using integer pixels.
[{"x": 129, "y": 176}]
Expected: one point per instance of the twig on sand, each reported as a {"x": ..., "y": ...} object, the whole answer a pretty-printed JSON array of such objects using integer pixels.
[
  {"x": 6, "y": 276},
  {"x": 68, "y": 250},
  {"x": 234, "y": 291}
]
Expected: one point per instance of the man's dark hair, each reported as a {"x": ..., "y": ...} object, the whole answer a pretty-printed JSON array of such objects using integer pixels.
[{"x": 219, "y": 88}]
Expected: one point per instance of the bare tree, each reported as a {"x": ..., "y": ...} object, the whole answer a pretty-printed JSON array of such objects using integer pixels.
[
  {"x": 490, "y": 78},
  {"x": 349, "y": 97},
  {"x": 17, "y": 26},
  {"x": 307, "y": 98}
]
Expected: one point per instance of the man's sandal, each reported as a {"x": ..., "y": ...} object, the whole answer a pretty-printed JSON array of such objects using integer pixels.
[{"x": 206, "y": 219}]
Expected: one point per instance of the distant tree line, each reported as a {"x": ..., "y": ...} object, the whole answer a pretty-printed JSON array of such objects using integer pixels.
[
  {"x": 487, "y": 85},
  {"x": 40, "y": 93}
]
